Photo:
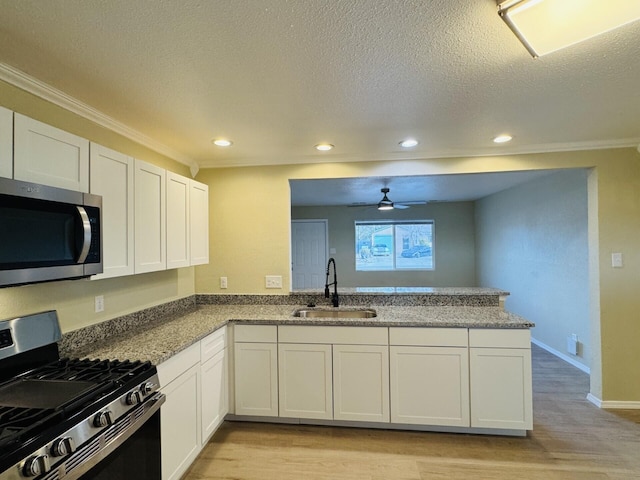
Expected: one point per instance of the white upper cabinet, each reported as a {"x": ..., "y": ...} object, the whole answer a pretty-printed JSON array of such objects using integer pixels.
[
  {"x": 178, "y": 231},
  {"x": 50, "y": 156},
  {"x": 150, "y": 218},
  {"x": 199, "y": 224},
  {"x": 111, "y": 175},
  {"x": 6, "y": 143}
]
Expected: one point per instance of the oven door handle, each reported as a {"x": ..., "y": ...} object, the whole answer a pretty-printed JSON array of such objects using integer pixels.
[
  {"x": 85, "y": 234},
  {"x": 89, "y": 459}
]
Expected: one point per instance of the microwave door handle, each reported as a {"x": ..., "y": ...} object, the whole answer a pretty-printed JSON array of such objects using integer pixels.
[{"x": 86, "y": 237}]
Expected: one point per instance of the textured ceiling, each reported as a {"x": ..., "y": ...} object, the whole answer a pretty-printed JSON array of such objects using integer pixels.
[
  {"x": 418, "y": 188},
  {"x": 279, "y": 76}
]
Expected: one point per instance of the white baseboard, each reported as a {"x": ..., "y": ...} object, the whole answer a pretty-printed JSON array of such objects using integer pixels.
[
  {"x": 613, "y": 404},
  {"x": 562, "y": 356}
]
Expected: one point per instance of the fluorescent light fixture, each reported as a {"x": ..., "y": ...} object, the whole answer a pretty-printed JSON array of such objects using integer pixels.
[
  {"x": 222, "y": 142},
  {"x": 408, "y": 143},
  {"x": 544, "y": 26},
  {"x": 324, "y": 147},
  {"x": 502, "y": 138}
]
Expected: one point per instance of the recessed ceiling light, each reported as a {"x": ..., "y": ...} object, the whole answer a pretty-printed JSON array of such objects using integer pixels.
[
  {"x": 408, "y": 143},
  {"x": 502, "y": 138},
  {"x": 324, "y": 147},
  {"x": 222, "y": 142}
]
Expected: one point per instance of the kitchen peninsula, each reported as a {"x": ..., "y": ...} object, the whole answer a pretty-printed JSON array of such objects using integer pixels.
[{"x": 431, "y": 359}]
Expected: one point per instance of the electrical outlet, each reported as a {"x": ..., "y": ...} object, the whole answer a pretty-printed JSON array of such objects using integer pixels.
[
  {"x": 223, "y": 282},
  {"x": 99, "y": 303},
  {"x": 273, "y": 281}
]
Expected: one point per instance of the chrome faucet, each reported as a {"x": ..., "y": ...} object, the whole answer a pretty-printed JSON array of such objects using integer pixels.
[{"x": 334, "y": 298}]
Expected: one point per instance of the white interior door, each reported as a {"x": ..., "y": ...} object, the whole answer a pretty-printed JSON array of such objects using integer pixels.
[{"x": 308, "y": 253}]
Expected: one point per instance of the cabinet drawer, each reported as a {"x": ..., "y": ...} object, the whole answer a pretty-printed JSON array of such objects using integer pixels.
[
  {"x": 255, "y": 333},
  {"x": 499, "y": 338},
  {"x": 213, "y": 344},
  {"x": 429, "y": 337},
  {"x": 333, "y": 335},
  {"x": 179, "y": 363}
]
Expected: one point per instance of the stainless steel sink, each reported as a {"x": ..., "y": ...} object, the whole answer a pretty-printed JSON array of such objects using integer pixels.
[{"x": 309, "y": 313}]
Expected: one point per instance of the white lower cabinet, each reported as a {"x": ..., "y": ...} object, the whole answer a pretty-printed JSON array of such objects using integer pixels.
[
  {"x": 361, "y": 383},
  {"x": 180, "y": 414},
  {"x": 440, "y": 377},
  {"x": 429, "y": 376},
  {"x": 256, "y": 370},
  {"x": 430, "y": 385},
  {"x": 305, "y": 381},
  {"x": 501, "y": 379},
  {"x": 214, "y": 382},
  {"x": 195, "y": 384}
]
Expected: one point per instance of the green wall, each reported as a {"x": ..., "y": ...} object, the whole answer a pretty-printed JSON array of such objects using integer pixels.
[{"x": 454, "y": 244}]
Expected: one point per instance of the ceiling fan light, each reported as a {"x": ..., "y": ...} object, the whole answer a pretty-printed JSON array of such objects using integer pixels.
[{"x": 385, "y": 203}]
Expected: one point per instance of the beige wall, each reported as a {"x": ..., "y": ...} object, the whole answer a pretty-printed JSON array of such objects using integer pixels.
[
  {"x": 250, "y": 232},
  {"x": 454, "y": 244},
  {"x": 74, "y": 300}
]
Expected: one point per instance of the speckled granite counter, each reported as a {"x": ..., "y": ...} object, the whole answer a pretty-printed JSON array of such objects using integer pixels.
[{"x": 158, "y": 340}]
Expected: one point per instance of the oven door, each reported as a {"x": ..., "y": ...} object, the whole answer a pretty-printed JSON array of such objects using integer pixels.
[{"x": 130, "y": 448}]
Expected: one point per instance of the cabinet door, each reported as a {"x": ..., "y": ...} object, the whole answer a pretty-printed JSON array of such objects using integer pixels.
[
  {"x": 180, "y": 424},
  {"x": 256, "y": 379},
  {"x": 430, "y": 385},
  {"x": 304, "y": 381},
  {"x": 6, "y": 143},
  {"x": 50, "y": 156},
  {"x": 214, "y": 393},
  {"x": 150, "y": 219},
  {"x": 501, "y": 395},
  {"x": 178, "y": 245},
  {"x": 361, "y": 382},
  {"x": 199, "y": 224},
  {"x": 111, "y": 175}
]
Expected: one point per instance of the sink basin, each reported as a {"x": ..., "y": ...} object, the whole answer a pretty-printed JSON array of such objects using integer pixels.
[{"x": 309, "y": 313}]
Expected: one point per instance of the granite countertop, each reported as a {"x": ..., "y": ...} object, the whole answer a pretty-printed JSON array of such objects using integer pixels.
[{"x": 160, "y": 340}]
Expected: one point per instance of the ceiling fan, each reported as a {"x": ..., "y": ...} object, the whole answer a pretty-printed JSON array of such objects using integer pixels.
[{"x": 386, "y": 204}]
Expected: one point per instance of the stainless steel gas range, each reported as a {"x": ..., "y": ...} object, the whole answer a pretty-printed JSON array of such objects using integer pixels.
[{"x": 64, "y": 418}]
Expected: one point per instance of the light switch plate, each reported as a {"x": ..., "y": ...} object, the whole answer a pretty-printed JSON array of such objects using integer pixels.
[
  {"x": 616, "y": 260},
  {"x": 273, "y": 281}
]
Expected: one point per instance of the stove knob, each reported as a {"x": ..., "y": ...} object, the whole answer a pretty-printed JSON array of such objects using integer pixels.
[
  {"x": 36, "y": 465},
  {"x": 102, "y": 419},
  {"x": 63, "y": 446},
  {"x": 133, "y": 398},
  {"x": 147, "y": 387}
]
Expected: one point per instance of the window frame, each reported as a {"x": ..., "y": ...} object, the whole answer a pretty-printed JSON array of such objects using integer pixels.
[{"x": 393, "y": 224}]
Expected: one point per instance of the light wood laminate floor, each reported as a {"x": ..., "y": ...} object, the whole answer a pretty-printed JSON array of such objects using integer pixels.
[{"x": 572, "y": 439}]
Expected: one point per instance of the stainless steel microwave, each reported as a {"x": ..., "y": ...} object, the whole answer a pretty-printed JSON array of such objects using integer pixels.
[{"x": 47, "y": 233}]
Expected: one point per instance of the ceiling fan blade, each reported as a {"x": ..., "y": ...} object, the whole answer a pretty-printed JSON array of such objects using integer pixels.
[
  {"x": 400, "y": 206},
  {"x": 362, "y": 205}
]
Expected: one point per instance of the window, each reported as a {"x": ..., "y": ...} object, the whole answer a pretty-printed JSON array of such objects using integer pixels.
[{"x": 406, "y": 245}]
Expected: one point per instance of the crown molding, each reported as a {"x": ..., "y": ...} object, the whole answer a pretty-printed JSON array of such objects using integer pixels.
[{"x": 42, "y": 90}]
